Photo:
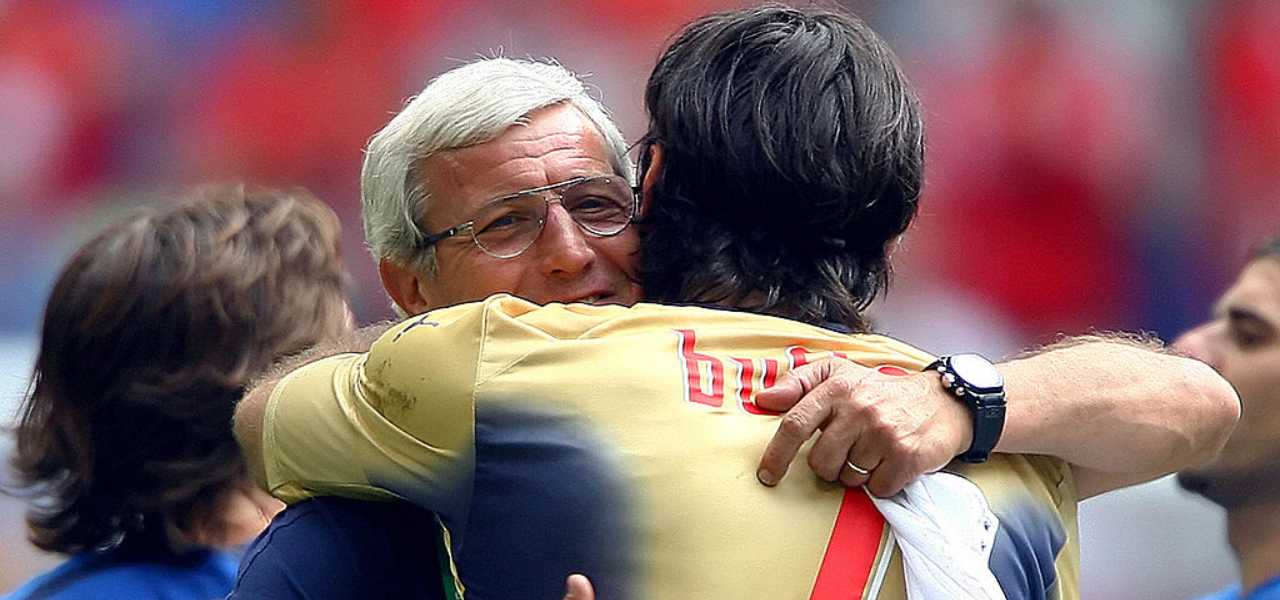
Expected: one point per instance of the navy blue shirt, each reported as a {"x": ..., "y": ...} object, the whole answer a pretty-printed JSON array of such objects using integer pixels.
[{"x": 340, "y": 548}]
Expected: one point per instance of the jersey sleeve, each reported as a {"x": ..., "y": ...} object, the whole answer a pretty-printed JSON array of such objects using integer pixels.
[{"x": 396, "y": 422}]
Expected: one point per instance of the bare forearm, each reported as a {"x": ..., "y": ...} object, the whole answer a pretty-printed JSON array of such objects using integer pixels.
[
  {"x": 1119, "y": 410},
  {"x": 251, "y": 408}
]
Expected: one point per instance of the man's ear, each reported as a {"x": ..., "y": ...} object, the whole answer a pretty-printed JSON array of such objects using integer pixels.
[
  {"x": 404, "y": 285},
  {"x": 650, "y": 177}
]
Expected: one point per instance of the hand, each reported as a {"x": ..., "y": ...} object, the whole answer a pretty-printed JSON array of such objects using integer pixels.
[
  {"x": 578, "y": 587},
  {"x": 896, "y": 427}
]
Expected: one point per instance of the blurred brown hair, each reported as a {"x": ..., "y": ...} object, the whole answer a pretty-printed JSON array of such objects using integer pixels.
[{"x": 152, "y": 330}]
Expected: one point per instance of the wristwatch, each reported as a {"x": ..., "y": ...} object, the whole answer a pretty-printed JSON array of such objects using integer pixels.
[{"x": 974, "y": 381}]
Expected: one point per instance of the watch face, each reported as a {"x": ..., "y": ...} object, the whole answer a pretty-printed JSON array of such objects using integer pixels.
[{"x": 978, "y": 372}]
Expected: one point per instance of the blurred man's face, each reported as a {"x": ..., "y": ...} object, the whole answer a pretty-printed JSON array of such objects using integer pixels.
[
  {"x": 565, "y": 263},
  {"x": 1243, "y": 343}
]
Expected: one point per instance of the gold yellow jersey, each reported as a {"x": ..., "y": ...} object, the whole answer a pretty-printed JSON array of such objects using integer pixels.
[{"x": 622, "y": 443}]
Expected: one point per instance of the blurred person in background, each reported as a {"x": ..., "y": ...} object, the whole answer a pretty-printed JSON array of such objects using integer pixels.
[
  {"x": 556, "y": 143},
  {"x": 152, "y": 331},
  {"x": 1242, "y": 341}
]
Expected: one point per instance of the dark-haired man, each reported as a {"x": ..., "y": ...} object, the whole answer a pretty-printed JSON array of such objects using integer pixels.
[
  {"x": 1242, "y": 342},
  {"x": 627, "y": 440}
]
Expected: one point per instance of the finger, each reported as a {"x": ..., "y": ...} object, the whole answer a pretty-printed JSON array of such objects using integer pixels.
[
  {"x": 792, "y": 386},
  {"x": 823, "y": 389},
  {"x": 890, "y": 477},
  {"x": 801, "y": 381},
  {"x": 842, "y": 431},
  {"x": 578, "y": 587},
  {"x": 794, "y": 429},
  {"x": 864, "y": 456}
]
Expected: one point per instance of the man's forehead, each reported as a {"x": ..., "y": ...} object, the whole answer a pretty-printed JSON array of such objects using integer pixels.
[
  {"x": 1257, "y": 290},
  {"x": 510, "y": 153},
  {"x": 552, "y": 144}
]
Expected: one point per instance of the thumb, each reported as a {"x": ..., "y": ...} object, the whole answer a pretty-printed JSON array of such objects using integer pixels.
[
  {"x": 792, "y": 386},
  {"x": 578, "y": 587}
]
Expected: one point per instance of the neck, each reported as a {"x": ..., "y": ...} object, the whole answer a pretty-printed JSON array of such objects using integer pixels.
[
  {"x": 242, "y": 514},
  {"x": 1254, "y": 533},
  {"x": 755, "y": 303}
]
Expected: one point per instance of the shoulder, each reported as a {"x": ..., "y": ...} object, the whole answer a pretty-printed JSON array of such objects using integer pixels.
[
  {"x": 1023, "y": 478},
  {"x": 336, "y": 547},
  {"x": 328, "y": 526}
]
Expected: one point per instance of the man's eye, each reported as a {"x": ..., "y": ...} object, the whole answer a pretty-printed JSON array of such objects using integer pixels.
[
  {"x": 1246, "y": 338},
  {"x": 592, "y": 204},
  {"x": 505, "y": 222}
]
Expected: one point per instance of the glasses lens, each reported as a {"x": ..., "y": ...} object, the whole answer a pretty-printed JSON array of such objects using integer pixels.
[
  {"x": 601, "y": 205},
  {"x": 507, "y": 227}
]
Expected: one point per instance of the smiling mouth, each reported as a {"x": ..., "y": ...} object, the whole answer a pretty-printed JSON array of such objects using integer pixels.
[{"x": 601, "y": 297}]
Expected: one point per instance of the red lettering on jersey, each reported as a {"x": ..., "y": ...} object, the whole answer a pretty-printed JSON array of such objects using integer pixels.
[
  {"x": 852, "y": 552},
  {"x": 892, "y": 370},
  {"x": 841, "y": 355},
  {"x": 694, "y": 382},
  {"x": 798, "y": 356},
  {"x": 746, "y": 384},
  {"x": 770, "y": 373}
]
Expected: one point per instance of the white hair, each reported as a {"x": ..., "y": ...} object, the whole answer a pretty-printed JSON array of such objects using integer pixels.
[{"x": 469, "y": 105}]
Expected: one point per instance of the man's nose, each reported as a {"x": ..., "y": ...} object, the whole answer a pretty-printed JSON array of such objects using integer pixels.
[
  {"x": 564, "y": 248},
  {"x": 1201, "y": 343}
]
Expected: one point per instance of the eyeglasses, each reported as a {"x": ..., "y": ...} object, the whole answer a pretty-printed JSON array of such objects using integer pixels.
[{"x": 601, "y": 206}]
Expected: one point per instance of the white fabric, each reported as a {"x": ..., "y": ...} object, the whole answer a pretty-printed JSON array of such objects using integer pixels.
[{"x": 946, "y": 529}]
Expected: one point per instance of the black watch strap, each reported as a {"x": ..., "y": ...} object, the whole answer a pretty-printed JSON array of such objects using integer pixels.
[{"x": 987, "y": 405}]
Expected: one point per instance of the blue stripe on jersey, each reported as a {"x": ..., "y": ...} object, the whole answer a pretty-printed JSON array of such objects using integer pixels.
[{"x": 1025, "y": 548}]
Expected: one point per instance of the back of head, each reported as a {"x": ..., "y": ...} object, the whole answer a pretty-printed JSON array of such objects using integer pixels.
[
  {"x": 150, "y": 333},
  {"x": 1269, "y": 249},
  {"x": 469, "y": 105},
  {"x": 792, "y": 159}
]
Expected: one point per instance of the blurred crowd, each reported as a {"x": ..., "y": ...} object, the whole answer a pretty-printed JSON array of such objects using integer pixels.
[
  {"x": 104, "y": 103},
  {"x": 1100, "y": 166}
]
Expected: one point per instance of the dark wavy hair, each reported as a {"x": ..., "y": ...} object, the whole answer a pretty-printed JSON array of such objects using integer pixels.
[
  {"x": 151, "y": 332},
  {"x": 1268, "y": 249},
  {"x": 793, "y": 157}
]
